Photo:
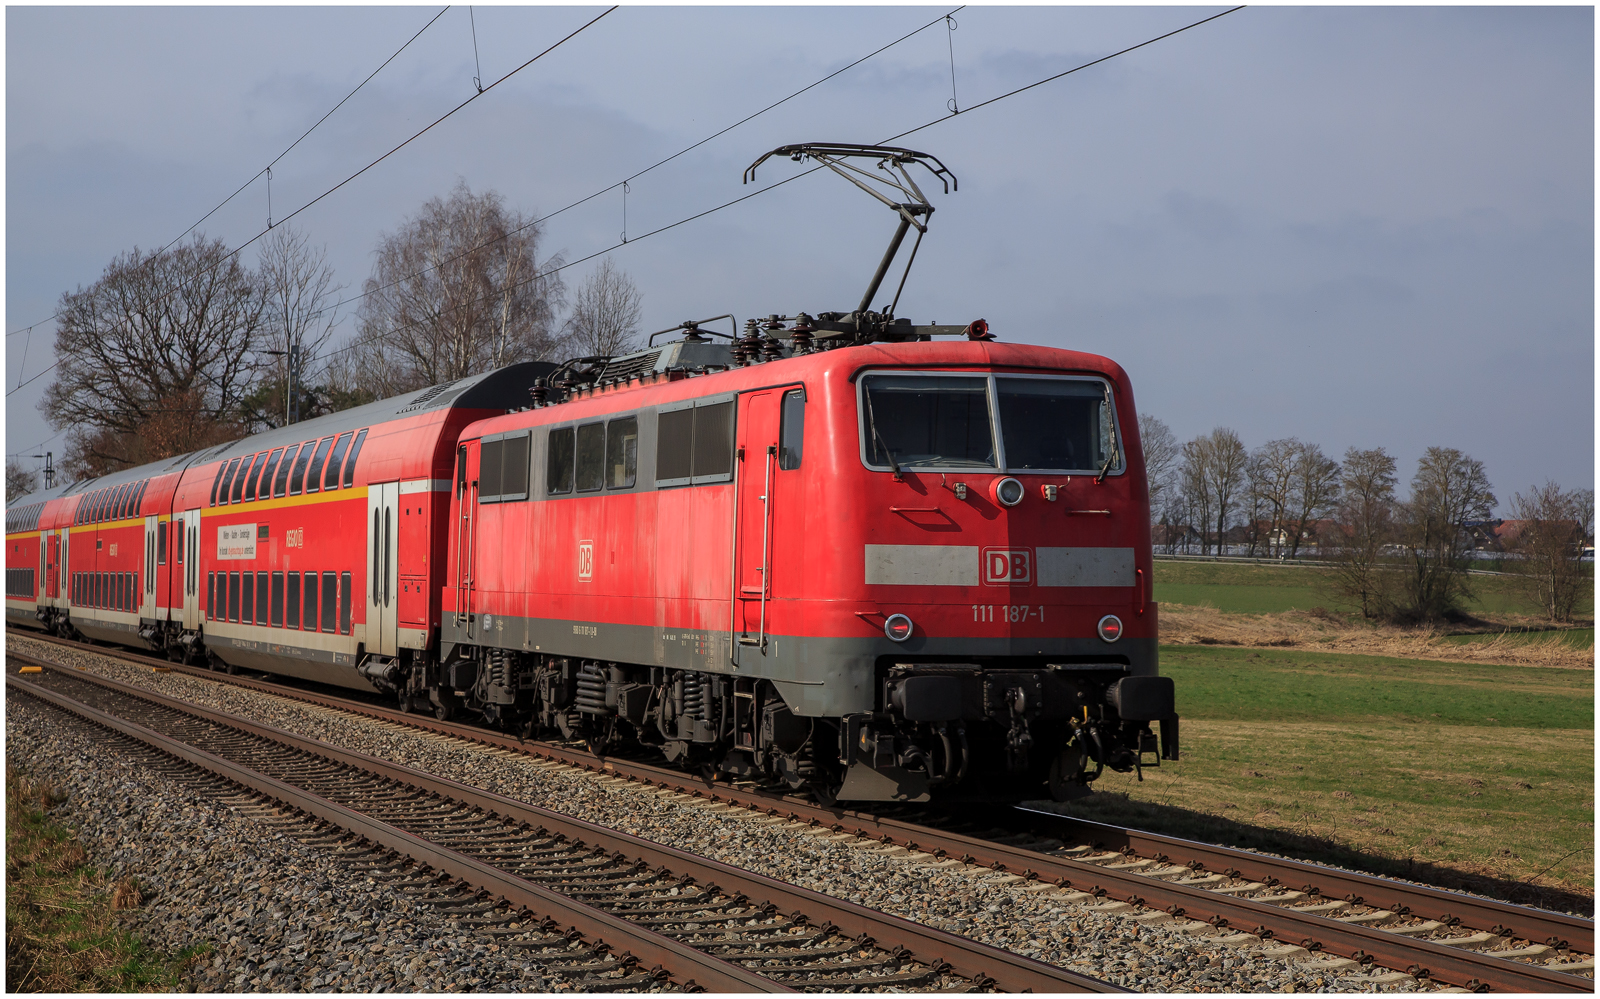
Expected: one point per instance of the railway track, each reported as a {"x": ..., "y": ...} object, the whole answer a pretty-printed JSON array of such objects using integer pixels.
[
  {"x": 701, "y": 923},
  {"x": 1241, "y": 898}
]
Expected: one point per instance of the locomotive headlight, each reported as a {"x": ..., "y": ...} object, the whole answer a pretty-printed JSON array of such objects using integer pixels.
[
  {"x": 898, "y": 628},
  {"x": 1110, "y": 627},
  {"x": 1008, "y": 492}
]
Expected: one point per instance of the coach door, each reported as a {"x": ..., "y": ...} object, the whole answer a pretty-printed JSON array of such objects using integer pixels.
[
  {"x": 147, "y": 578},
  {"x": 383, "y": 569},
  {"x": 757, "y": 449},
  {"x": 189, "y": 554},
  {"x": 52, "y": 564}
]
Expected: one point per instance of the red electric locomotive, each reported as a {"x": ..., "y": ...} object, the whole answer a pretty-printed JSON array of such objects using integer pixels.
[{"x": 834, "y": 552}]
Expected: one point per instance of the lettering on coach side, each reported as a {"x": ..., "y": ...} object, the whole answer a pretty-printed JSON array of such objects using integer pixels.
[
  {"x": 585, "y": 560},
  {"x": 236, "y": 541},
  {"x": 1007, "y": 566}
]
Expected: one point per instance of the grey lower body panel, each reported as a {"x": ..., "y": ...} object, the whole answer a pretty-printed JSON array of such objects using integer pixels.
[
  {"x": 818, "y": 677},
  {"x": 323, "y": 666}
]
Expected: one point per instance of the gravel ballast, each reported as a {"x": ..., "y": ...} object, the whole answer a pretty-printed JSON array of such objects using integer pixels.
[
  {"x": 974, "y": 902},
  {"x": 277, "y": 916}
]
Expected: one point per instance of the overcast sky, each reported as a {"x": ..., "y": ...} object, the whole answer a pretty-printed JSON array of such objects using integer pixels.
[{"x": 1361, "y": 227}]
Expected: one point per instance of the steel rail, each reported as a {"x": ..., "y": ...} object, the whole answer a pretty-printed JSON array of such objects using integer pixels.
[
  {"x": 979, "y": 962},
  {"x": 1453, "y": 965},
  {"x": 690, "y": 967}
]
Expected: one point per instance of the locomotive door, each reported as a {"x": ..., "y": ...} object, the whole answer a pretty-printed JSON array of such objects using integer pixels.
[
  {"x": 147, "y": 578},
  {"x": 755, "y": 500},
  {"x": 189, "y": 555},
  {"x": 383, "y": 569}
]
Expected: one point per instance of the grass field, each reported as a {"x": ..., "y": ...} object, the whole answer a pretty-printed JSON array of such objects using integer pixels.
[
  {"x": 1268, "y": 589},
  {"x": 61, "y": 931},
  {"x": 1463, "y": 775}
]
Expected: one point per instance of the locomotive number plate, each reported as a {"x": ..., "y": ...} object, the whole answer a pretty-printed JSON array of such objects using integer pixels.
[{"x": 1014, "y": 613}]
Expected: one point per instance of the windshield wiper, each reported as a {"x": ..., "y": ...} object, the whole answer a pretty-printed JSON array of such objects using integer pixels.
[
  {"x": 1111, "y": 459},
  {"x": 872, "y": 422}
]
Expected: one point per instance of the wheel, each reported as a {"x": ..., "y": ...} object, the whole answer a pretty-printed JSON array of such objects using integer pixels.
[{"x": 445, "y": 711}]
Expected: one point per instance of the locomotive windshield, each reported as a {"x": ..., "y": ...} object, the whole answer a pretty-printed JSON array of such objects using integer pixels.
[{"x": 948, "y": 421}]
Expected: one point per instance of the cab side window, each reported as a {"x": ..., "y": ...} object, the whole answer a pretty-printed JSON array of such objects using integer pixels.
[{"x": 791, "y": 436}]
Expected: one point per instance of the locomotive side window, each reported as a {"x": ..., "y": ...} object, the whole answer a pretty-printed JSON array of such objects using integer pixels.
[
  {"x": 558, "y": 469},
  {"x": 298, "y": 474},
  {"x": 939, "y": 421},
  {"x": 713, "y": 441},
  {"x": 280, "y": 485},
  {"x": 791, "y": 437},
  {"x": 292, "y": 604},
  {"x": 313, "y": 482},
  {"x": 622, "y": 453},
  {"x": 591, "y": 457},
  {"x": 514, "y": 468},
  {"x": 336, "y": 462},
  {"x": 674, "y": 446},
  {"x": 350, "y": 462},
  {"x": 489, "y": 471},
  {"x": 1055, "y": 423}
]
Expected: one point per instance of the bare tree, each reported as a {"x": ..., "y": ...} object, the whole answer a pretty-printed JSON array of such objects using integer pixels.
[
  {"x": 1584, "y": 500},
  {"x": 459, "y": 289},
  {"x": 1275, "y": 462},
  {"x": 1366, "y": 525},
  {"x": 1211, "y": 476},
  {"x": 19, "y": 481},
  {"x": 1549, "y": 540},
  {"x": 1449, "y": 489},
  {"x": 1195, "y": 497},
  {"x": 605, "y": 314},
  {"x": 1161, "y": 452},
  {"x": 298, "y": 292},
  {"x": 1316, "y": 485},
  {"x": 156, "y": 357}
]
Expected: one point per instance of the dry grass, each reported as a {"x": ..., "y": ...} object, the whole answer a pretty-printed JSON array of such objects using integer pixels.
[
  {"x": 1309, "y": 630},
  {"x": 61, "y": 931}
]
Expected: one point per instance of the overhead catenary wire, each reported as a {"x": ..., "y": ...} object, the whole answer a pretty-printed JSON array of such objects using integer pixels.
[
  {"x": 236, "y": 250},
  {"x": 361, "y": 341}
]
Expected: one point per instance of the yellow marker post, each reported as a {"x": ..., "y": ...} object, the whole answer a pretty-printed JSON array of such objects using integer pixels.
[
  {"x": 31, "y": 669},
  {"x": 161, "y": 669}
]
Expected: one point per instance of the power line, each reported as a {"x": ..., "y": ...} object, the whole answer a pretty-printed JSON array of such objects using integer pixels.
[
  {"x": 235, "y": 251},
  {"x": 267, "y": 169},
  {"x": 806, "y": 173},
  {"x": 662, "y": 162}
]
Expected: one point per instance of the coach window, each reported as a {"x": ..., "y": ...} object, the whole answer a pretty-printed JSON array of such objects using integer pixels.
[
  {"x": 336, "y": 462},
  {"x": 276, "y": 608},
  {"x": 350, "y": 462},
  {"x": 211, "y": 596},
  {"x": 558, "y": 471},
  {"x": 261, "y": 598},
  {"x": 116, "y": 502},
  {"x": 309, "y": 610},
  {"x": 330, "y": 594},
  {"x": 489, "y": 471},
  {"x": 345, "y": 592},
  {"x": 247, "y": 598},
  {"x": 591, "y": 464},
  {"x": 227, "y": 481},
  {"x": 280, "y": 482},
  {"x": 313, "y": 481},
  {"x": 298, "y": 475},
  {"x": 292, "y": 604},
  {"x": 791, "y": 438},
  {"x": 622, "y": 453},
  {"x": 236, "y": 494},
  {"x": 268, "y": 474},
  {"x": 233, "y": 596},
  {"x": 253, "y": 476}
]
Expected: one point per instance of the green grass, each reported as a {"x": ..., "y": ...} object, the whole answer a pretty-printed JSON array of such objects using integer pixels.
[
  {"x": 1465, "y": 776},
  {"x": 1577, "y": 638},
  {"x": 1243, "y": 684},
  {"x": 1269, "y": 589}
]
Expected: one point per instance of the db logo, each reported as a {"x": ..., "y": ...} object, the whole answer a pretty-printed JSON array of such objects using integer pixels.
[
  {"x": 586, "y": 560},
  {"x": 1007, "y": 566}
]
